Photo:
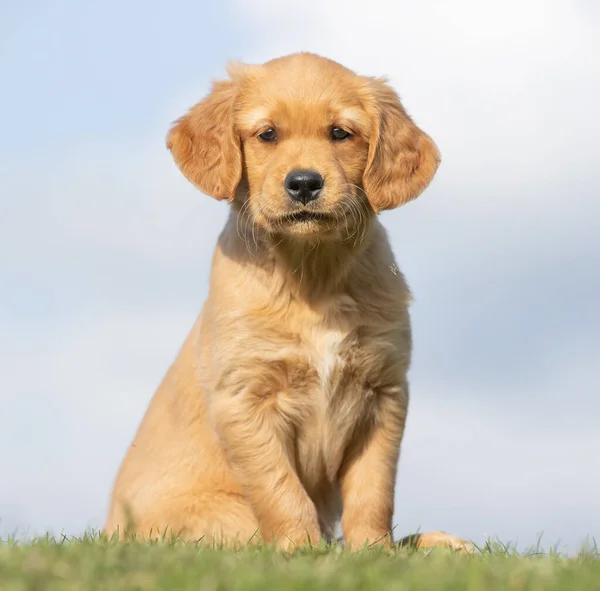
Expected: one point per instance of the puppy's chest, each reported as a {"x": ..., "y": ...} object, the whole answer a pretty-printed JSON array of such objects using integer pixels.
[{"x": 334, "y": 400}]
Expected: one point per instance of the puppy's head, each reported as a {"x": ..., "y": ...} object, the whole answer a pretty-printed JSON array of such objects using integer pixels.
[{"x": 320, "y": 148}]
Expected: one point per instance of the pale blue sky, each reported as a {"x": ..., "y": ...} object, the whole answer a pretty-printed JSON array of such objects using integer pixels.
[{"x": 104, "y": 247}]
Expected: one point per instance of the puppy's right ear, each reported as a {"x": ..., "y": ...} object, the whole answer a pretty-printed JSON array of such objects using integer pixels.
[{"x": 205, "y": 146}]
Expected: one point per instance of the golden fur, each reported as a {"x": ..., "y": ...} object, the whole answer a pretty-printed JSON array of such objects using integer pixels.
[{"x": 286, "y": 405}]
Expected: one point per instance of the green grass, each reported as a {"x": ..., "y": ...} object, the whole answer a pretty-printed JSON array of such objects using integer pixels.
[{"x": 94, "y": 562}]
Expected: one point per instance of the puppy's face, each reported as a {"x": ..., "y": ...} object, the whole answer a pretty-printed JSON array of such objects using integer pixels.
[
  {"x": 319, "y": 147},
  {"x": 305, "y": 140}
]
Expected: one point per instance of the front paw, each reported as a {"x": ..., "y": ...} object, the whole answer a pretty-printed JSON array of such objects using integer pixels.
[
  {"x": 293, "y": 539},
  {"x": 367, "y": 538}
]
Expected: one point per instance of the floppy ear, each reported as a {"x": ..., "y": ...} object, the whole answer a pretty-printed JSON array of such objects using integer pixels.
[
  {"x": 205, "y": 146},
  {"x": 402, "y": 159}
]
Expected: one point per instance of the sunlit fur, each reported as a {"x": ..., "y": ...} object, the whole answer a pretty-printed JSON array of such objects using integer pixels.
[{"x": 286, "y": 405}]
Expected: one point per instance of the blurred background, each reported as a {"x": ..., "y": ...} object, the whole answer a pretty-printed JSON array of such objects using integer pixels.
[{"x": 105, "y": 247}]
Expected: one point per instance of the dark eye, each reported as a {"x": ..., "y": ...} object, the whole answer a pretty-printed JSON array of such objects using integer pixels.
[
  {"x": 268, "y": 136},
  {"x": 338, "y": 134}
]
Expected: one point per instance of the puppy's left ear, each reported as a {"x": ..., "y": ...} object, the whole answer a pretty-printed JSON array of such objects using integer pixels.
[
  {"x": 205, "y": 146},
  {"x": 402, "y": 159}
]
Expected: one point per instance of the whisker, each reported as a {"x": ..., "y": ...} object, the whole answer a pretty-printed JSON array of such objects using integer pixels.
[{"x": 363, "y": 222}]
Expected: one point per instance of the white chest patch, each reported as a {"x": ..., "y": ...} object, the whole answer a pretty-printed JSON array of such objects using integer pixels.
[{"x": 325, "y": 352}]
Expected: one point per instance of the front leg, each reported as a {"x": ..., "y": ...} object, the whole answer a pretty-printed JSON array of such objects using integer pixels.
[
  {"x": 368, "y": 475},
  {"x": 258, "y": 441}
]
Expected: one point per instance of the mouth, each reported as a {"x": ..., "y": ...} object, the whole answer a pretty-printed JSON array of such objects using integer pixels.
[{"x": 306, "y": 216}]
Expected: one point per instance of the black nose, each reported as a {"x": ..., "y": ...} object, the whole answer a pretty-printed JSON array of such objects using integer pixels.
[{"x": 303, "y": 185}]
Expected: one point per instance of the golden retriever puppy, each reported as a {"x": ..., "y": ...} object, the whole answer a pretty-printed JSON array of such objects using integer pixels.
[{"x": 286, "y": 405}]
